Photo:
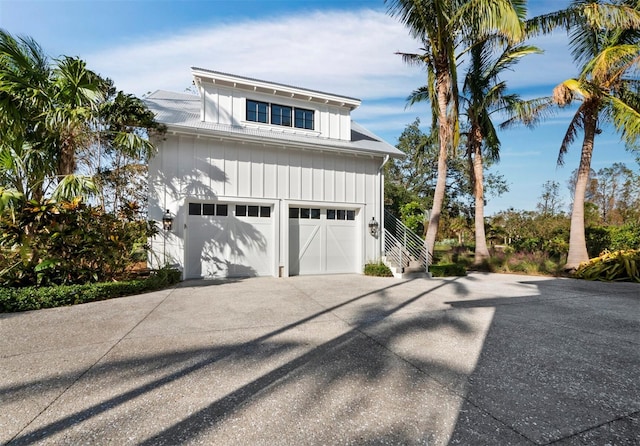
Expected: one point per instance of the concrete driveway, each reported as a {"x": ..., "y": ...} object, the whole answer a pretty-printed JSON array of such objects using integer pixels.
[{"x": 347, "y": 359}]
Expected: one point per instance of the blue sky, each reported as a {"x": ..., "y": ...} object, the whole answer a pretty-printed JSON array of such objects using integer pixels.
[{"x": 340, "y": 46}]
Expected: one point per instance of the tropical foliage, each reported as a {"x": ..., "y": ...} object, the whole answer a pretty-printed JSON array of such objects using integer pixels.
[
  {"x": 68, "y": 140},
  {"x": 410, "y": 183},
  {"x": 54, "y": 243},
  {"x": 485, "y": 95},
  {"x": 442, "y": 26},
  {"x": 605, "y": 42},
  {"x": 610, "y": 266},
  {"x": 64, "y": 130}
]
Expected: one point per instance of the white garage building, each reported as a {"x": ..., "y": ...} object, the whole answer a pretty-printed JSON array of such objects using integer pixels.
[{"x": 264, "y": 179}]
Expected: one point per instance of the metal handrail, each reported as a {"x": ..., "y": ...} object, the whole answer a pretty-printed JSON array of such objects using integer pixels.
[{"x": 402, "y": 245}]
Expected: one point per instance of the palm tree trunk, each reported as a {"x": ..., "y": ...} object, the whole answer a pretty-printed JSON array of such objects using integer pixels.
[
  {"x": 577, "y": 242},
  {"x": 443, "y": 87},
  {"x": 482, "y": 252}
]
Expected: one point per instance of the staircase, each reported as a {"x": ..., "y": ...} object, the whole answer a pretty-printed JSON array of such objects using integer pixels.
[{"x": 404, "y": 250}]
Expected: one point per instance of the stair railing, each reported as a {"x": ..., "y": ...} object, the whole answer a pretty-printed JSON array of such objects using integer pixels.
[{"x": 403, "y": 246}]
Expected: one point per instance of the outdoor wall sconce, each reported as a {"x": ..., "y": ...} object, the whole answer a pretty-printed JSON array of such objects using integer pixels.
[
  {"x": 373, "y": 227},
  {"x": 167, "y": 221}
]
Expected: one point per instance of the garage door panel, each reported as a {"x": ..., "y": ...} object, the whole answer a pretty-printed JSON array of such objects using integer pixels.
[
  {"x": 322, "y": 241},
  {"x": 229, "y": 246},
  {"x": 252, "y": 253},
  {"x": 310, "y": 248},
  {"x": 341, "y": 249}
]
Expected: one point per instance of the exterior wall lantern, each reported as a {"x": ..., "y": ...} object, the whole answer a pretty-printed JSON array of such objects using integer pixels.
[
  {"x": 373, "y": 227},
  {"x": 167, "y": 221}
]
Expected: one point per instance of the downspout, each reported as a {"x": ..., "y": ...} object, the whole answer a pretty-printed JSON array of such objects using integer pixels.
[{"x": 381, "y": 195}]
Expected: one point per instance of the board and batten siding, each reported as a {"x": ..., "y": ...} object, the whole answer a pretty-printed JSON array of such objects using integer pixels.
[
  {"x": 228, "y": 106},
  {"x": 190, "y": 168}
]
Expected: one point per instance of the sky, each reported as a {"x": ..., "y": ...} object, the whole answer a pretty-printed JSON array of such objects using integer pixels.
[{"x": 346, "y": 47}]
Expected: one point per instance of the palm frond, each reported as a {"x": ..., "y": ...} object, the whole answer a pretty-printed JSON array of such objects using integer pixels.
[
  {"x": 503, "y": 17},
  {"x": 576, "y": 124},
  {"x": 529, "y": 113},
  {"x": 626, "y": 119},
  {"x": 72, "y": 186},
  {"x": 611, "y": 64}
]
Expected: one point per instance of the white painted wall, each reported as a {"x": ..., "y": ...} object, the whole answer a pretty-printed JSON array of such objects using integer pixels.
[
  {"x": 210, "y": 169},
  {"x": 223, "y": 105}
]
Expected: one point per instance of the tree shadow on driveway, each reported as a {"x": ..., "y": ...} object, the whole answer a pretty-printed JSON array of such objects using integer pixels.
[{"x": 417, "y": 362}]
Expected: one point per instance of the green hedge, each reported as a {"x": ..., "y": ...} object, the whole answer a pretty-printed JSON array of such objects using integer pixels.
[
  {"x": 378, "y": 269},
  {"x": 447, "y": 269},
  {"x": 35, "y": 298}
]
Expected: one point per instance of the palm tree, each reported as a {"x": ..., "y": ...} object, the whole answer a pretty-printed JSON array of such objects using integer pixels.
[
  {"x": 605, "y": 42},
  {"x": 53, "y": 113},
  {"x": 440, "y": 26},
  {"x": 484, "y": 94},
  {"x": 46, "y": 114}
]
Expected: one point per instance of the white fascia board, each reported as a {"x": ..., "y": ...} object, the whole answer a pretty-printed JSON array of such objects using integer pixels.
[{"x": 275, "y": 89}]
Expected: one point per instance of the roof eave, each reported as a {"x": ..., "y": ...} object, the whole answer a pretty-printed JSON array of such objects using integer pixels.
[
  {"x": 248, "y": 84},
  {"x": 277, "y": 142}
]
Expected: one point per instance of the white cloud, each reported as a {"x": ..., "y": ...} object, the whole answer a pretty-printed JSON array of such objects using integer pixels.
[{"x": 344, "y": 52}]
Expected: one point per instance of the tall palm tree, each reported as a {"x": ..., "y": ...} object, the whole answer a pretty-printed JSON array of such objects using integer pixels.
[
  {"x": 485, "y": 94},
  {"x": 440, "y": 26},
  {"x": 605, "y": 42}
]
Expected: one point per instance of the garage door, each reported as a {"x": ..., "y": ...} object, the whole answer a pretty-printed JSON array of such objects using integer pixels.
[
  {"x": 229, "y": 240},
  {"x": 323, "y": 241}
]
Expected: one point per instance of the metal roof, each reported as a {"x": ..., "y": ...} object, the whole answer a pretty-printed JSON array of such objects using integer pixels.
[{"x": 181, "y": 112}]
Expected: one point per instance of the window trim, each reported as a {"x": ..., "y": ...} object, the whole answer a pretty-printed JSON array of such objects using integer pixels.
[
  {"x": 257, "y": 111},
  {"x": 307, "y": 117}
]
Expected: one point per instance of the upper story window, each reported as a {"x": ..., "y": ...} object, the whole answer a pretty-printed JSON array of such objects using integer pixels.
[
  {"x": 277, "y": 114},
  {"x": 280, "y": 115},
  {"x": 304, "y": 119},
  {"x": 257, "y": 111}
]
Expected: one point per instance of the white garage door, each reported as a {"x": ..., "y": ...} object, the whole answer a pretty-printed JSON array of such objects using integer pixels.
[
  {"x": 323, "y": 241},
  {"x": 229, "y": 240}
]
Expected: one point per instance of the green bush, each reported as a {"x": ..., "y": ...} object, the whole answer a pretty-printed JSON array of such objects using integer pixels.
[
  {"x": 447, "y": 269},
  {"x": 35, "y": 298},
  {"x": 378, "y": 269},
  {"x": 65, "y": 243}
]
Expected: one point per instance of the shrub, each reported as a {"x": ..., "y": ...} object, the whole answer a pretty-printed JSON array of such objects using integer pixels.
[
  {"x": 447, "y": 269},
  {"x": 525, "y": 262},
  {"x": 619, "y": 266},
  {"x": 64, "y": 243},
  {"x": 378, "y": 269},
  {"x": 35, "y": 298}
]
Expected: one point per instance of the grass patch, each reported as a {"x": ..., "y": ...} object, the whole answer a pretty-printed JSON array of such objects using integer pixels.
[{"x": 36, "y": 298}]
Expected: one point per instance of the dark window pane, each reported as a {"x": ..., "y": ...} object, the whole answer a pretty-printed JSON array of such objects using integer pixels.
[
  {"x": 351, "y": 215},
  {"x": 257, "y": 111},
  {"x": 294, "y": 212},
  {"x": 195, "y": 209},
  {"x": 331, "y": 214},
  {"x": 341, "y": 214},
  {"x": 304, "y": 213},
  {"x": 315, "y": 214},
  {"x": 280, "y": 115},
  {"x": 304, "y": 118},
  {"x": 265, "y": 211},
  {"x": 208, "y": 209},
  {"x": 253, "y": 211},
  {"x": 222, "y": 210},
  {"x": 241, "y": 210}
]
